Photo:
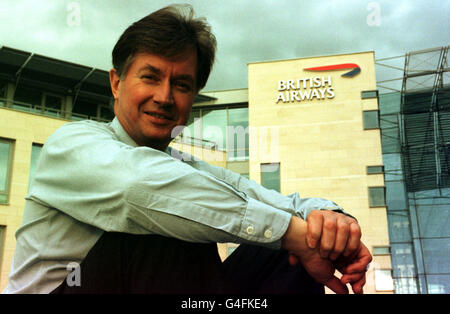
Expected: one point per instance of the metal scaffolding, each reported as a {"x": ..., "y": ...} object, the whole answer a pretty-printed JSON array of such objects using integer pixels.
[{"x": 415, "y": 128}]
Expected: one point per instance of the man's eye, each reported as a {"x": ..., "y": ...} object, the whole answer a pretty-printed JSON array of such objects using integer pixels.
[
  {"x": 185, "y": 87},
  {"x": 150, "y": 77}
]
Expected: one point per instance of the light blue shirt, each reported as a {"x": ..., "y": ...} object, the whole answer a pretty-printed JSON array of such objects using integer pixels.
[{"x": 92, "y": 177}]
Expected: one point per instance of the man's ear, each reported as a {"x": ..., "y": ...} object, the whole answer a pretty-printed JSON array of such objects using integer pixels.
[{"x": 114, "y": 80}]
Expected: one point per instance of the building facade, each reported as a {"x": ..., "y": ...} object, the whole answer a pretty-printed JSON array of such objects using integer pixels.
[{"x": 308, "y": 125}]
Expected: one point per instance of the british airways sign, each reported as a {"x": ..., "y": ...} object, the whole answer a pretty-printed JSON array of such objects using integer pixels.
[{"x": 317, "y": 87}]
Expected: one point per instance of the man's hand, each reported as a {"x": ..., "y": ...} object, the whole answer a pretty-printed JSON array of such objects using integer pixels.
[
  {"x": 353, "y": 266},
  {"x": 338, "y": 234}
]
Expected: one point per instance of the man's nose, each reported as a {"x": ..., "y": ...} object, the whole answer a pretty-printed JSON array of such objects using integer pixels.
[{"x": 163, "y": 93}]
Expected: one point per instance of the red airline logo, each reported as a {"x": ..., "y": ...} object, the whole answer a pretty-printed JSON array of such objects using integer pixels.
[{"x": 355, "y": 68}]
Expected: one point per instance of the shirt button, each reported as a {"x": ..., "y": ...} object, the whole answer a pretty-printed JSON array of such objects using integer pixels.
[
  {"x": 250, "y": 229},
  {"x": 268, "y": 234}
]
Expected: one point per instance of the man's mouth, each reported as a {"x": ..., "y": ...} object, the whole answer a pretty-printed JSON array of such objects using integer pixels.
[{"x": 159, "y": 115}]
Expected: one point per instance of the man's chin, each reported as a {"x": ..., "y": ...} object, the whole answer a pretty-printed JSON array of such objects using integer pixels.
[{"x": 158, "y": 141}]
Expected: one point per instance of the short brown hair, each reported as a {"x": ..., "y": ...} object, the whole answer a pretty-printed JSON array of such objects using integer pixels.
[{"x": 168, "y": 32}]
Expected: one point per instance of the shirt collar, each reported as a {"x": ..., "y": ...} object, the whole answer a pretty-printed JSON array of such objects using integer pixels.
[{"x": 121, "y": 133}]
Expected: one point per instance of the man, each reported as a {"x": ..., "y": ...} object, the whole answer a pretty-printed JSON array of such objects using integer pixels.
[{"x": 111, "y": 199}]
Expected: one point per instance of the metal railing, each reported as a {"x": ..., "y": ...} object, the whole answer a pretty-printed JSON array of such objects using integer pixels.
[{"x": 48, "y": 112}]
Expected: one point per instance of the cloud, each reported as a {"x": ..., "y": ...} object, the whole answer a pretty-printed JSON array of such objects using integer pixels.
[{"x": 247, "y": 30}]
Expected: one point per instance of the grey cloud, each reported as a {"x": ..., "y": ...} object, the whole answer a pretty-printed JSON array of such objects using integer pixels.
[{"x": 247, "y": 30}]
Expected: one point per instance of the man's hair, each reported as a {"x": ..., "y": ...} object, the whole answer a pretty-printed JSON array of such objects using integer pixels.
[{"x": 168, "y": 32}]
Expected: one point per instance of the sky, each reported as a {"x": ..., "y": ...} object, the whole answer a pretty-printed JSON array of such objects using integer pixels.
[{"x": 85, "y": 31}]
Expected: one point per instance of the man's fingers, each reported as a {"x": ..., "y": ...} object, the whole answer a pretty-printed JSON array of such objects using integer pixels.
[
  {"x": 337, "y": 286},
  {"x": 314, "y": 229},
  {"x": 341, "y": 239},
  {"x": 354, "y": 239},
  {"x": 351, "y": 278},
  {"x": 357, "y": 286},
  {"x": 360, "y": 265},
  {"x": 328, "y": 235}
]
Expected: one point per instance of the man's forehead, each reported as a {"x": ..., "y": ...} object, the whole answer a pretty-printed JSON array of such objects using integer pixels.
[{"x": 186, "y": 60}]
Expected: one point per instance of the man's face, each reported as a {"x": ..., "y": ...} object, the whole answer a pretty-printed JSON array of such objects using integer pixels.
[{"x": 154, "y": 96}]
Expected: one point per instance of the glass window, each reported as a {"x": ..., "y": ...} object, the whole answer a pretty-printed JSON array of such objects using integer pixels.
[
  {"x": 214, "y": 124},
  {"x": 396, "y": 195},
  {"x": 3, "y": 88},
  {"x": 270, "y": 176},
  {"x": 403, "y": 264},
  {"x": 371, "y": 119},
  {"x": 238, "y": 137},
  {"x": 53, "y": 105},
  {"x": 399, "y": 227},
  {"x": 405, "y": 285},
  {"x": 381, "y": 250},
  {"x": 435, "y": 251},
  {"x": 106, "y": 113},
  {"x": 84, "y": 108},
  {"x": 383, "y": 280},
  {"x": 27, "y": 99},
  {"x": 369, "y": 94},
  {"x": 438, "y": 283},
  {"x": 192, "y": 132},
  {"x": 6, "y": 152},
  {"x": 35, "y": 152},
  {"x": 377, "y": 196},
  {"x": 375, "y": 169}
]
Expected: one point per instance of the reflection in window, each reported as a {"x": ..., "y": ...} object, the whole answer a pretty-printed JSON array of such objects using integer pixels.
[
  {"x": 377, "y": 196},
  {"x": 383, "y": 280},
  {"x": 381, "y": 250},
  {"x": 53, "y": 105},
  {"x": 238, "y": 137},
  {"x": 193, "y": 130},
  {"x": 369, "y": 94},
  {"x": 106, "y": 113},
  {"x": 375, "y": 169},
  {"x": 371, "y": 119},
  {"x": 214, "y": 124},
  {"x": 35, "y": 152},
  {"x": 224, "y": 129},
  {"x": 6, "y": 152},
  {"x": 270, "y": 176}
]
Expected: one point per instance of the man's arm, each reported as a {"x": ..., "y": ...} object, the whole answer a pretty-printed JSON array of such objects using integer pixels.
[
  {"x": 87, "y": 173},
  {"x": 292, "y": 203}
]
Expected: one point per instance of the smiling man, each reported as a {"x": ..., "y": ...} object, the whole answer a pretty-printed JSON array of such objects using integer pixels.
[
  {"x": 110, "y": 210},
  {"x": 155, "y": 96}
]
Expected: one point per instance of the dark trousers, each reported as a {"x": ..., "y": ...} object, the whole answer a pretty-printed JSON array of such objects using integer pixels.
[{"x": 152, "y": 264}]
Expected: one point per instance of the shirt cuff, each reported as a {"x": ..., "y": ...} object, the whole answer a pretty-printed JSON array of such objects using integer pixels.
[{"x": 264, "y": 224}]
